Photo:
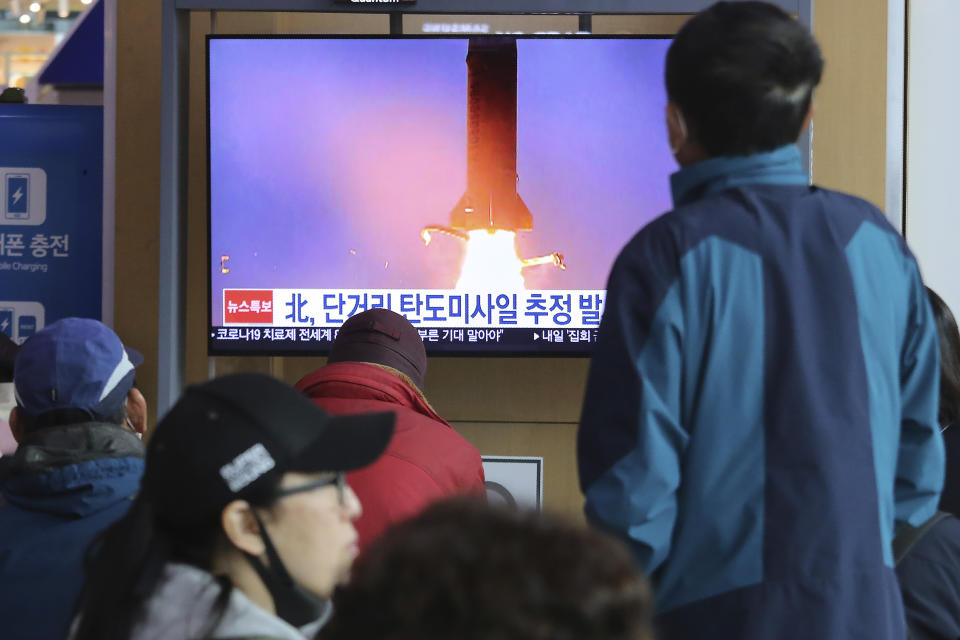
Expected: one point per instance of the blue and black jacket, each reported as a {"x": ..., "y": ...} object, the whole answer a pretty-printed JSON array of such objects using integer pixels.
[
  {"x": 761, "y": 408},
  {"x": 62, "y": 487}
]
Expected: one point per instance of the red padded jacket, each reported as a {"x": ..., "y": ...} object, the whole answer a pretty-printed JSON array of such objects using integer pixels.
[{"x": 425, "y": 460}]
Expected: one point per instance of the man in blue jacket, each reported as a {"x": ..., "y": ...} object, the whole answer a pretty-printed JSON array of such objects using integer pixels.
[
  {"x": 78, "y": 464},
  {"x": 761, "y": 410}
]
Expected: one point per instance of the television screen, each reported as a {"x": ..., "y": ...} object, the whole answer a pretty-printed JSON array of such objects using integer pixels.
[{"x": 481, "y": 187}]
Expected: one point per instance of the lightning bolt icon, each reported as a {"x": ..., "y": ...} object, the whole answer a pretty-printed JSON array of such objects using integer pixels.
[
  {"x": 16, "y": 197},
  {"x": 4, "y": 324}
]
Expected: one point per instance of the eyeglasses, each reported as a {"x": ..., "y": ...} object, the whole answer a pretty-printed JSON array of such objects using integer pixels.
[{"x": 339, "y": 479}]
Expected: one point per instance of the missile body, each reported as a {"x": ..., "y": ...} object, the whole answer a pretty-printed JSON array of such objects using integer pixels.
[{"x": 491, "y": 200}]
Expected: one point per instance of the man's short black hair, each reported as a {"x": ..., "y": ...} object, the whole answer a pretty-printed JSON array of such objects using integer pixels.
[{"x": 743, "y": 74}]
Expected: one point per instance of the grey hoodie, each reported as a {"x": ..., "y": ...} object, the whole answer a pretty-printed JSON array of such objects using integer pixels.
[{"x": 180, "y": 607}]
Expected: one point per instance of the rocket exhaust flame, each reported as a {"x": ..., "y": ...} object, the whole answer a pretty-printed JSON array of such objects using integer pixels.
[
  {"x": 491, "y": 258},
  {"x": 491, "y": 261},
  {"x": 490, "y": 212}
]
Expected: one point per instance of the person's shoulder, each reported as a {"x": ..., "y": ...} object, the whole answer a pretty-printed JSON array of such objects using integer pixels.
[
  {"x": 104, "y": 469},
  {"x": 416, "y": 431},
  {"x": 663, "y": 225},
  {"x": 725, "y": 214},
  {"x": 658, "y": 240},
  {"x": 657, "y": 251},
  {"x": 841, "y": 198},
  {"x": 854, "y": 211}
]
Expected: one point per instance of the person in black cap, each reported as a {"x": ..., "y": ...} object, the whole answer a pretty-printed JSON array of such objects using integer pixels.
[
  {"x": 244, "y": 522},
  {"x": 79, "y": 460},
  {"x": 377, "y": 363}
]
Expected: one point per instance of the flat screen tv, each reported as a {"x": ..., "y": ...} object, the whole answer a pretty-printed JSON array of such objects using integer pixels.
[{"x": 480, "y": 186}]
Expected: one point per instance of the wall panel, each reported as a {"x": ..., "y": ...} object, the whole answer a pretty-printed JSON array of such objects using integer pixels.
[
  {"x": 933, "y": 136},
  {"x": 137, "y": 183},
  {"x": 849, "y": 135}
]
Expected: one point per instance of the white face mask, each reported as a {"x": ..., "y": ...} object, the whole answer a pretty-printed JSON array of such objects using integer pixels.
[
  {"x": 126, "y": 417},
  {"x": 133, "y": 428}
]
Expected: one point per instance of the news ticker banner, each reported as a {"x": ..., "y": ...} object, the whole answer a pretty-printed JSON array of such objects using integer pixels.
[
  {"x": 435, "y": 308},
  {"x": 292, "y": 320}
]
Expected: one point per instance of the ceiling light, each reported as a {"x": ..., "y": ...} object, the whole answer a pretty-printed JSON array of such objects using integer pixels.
[
  {"x": 35, "y": 7},
  {"x": 85, "y": 1},
  {"x": 25, "y": 18}
]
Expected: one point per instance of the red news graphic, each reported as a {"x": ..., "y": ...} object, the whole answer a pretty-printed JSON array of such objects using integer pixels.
[{"x": 247, "y": 306}]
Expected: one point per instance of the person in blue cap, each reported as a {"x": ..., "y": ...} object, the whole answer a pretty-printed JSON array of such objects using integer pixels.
[
  {"x": 79, "y": 461},
  {"x": 761, "y": 408}
]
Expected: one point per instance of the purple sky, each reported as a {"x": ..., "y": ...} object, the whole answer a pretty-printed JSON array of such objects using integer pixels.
[{"x": 329, "y": 155}]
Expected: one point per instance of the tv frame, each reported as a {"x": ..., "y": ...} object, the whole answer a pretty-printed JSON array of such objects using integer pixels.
[
  {"x": 214, "y": 349},
  {"x": 174, "y": 105}
]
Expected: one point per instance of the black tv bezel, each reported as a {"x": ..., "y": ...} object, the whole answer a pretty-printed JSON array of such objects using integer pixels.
[{"x": 213, "y": 349}]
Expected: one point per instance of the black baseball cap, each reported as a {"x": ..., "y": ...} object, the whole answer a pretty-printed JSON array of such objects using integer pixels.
[{"x": 235, "y": 436}]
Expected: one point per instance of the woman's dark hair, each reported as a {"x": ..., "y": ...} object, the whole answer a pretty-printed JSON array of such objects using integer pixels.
[
  {"x": 125, "y": 564},
  {"x": 468, "y": 570},
  {"x": 743, "y": 75},
  {"x": 949, "y": 337}
]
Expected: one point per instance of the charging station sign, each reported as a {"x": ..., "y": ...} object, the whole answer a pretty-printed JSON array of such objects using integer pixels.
[
  {"x": 51, "y": 215},
  {"x": 24, "y": 192}
]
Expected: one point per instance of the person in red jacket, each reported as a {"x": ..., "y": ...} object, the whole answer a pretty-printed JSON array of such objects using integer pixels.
[{"x": 377, "y": 363}]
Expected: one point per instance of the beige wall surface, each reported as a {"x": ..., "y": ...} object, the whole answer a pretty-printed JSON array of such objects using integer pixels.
[
  {"x": 138, "y": 184},
  {"x": 849, "y": 133},
  {"x": 504, "y": 406}
]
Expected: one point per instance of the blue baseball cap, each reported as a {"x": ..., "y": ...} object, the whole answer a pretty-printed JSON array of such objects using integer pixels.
[{"x": 74, "y": 363}]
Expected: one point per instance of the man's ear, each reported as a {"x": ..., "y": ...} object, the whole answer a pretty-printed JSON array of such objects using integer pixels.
[
  {"x": 677, "y": 134},
  {"x": 136, "y": 406},
  {"x": 241, "y": 527},
  {"x": 16, "y": 425}
]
